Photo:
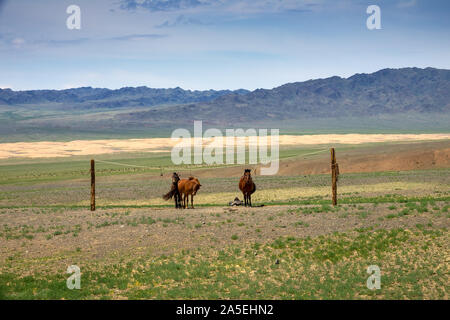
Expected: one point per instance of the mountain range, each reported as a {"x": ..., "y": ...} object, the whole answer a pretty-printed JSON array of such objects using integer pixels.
[
  {"x": 388, "y": 91},
  {"x": 406, "y": 99},
  {"x": 98, "y": 98}
]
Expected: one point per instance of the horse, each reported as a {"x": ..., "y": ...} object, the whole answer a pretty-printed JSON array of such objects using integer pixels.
[
  {"x": 247, "y": 186},
  {"x": 188, "y": 187},
  {"x": 174, "y": 192}
]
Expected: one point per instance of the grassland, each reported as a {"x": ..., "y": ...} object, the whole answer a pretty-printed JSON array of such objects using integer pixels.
[{"x": 297, "y": 246}]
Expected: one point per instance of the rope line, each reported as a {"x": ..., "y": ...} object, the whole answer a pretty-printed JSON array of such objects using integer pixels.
[
  {"x": 190, "y": 168},
  {"x": 306, "y": 154},
  {"x": 126, "y": 165}
]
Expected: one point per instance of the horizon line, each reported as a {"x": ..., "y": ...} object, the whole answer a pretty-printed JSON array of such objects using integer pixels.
[{"x": 226, "y": 89}]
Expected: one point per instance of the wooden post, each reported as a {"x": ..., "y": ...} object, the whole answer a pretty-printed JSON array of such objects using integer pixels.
[
  {"x": 92, "y": 185},
  {"x": 334, "y": 176}
]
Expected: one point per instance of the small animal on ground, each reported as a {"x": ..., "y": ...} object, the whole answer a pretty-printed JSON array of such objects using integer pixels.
[
  {"x": 247, "y": 186},
  {"x": 188, "y": 187},
  {"x": 235, "y": 202},
  {"x": 174, "y": 192}
]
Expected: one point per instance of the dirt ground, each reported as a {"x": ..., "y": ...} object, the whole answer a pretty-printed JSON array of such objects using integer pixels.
[
  {"x": 371, "y": 158},
  {"x": 110, "y": 232}
]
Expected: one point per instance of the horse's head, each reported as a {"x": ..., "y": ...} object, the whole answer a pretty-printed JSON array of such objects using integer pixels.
[
  {"x": 247, "y": 176},
  {"x": 175, "y": 178},
  {"x": 196, "y": 186}
]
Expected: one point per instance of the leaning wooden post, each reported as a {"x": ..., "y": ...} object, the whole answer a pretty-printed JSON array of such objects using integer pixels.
[
  {"x": 334, "y": 176},
  {"x": 92, "y": 185}
]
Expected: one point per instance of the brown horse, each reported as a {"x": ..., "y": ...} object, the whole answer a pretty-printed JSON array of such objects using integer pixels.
[
  {"x": 174, "y": 191},
  {"x": 188, "y": 187},
  {"x": 247, "y": 186}
]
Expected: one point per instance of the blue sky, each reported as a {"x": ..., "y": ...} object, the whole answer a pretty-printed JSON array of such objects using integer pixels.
[{"x": 213, "y": 44}]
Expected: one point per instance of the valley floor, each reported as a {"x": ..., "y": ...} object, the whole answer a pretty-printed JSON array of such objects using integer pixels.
[
  {"x": 291, "y": 252},
  {"x": 296, "y": 246}
]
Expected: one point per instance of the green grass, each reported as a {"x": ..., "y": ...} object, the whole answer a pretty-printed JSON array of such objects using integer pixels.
[
  {"x": 324, "y": 203},
  {"x": 63, "y": 183},
  {"x": 301, "y": 224},
  {"x": 325, "y": 267},
  {"x": 354, "y": 200},
  {"x": 29, "y": 232},
  {"x": 40, "y": 171},
  {"x": 33, "y": 171}
]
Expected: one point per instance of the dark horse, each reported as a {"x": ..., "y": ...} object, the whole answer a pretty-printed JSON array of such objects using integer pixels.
[
  {"x": 247, "y": 186},
  {"x": 174, "y": 191}
]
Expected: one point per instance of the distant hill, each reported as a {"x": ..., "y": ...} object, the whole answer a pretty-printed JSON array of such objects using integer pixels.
[
  {"x": 390, "y": 100},
  {"x": 388, "y": 91},
  {"x": 94, "y": 98}
]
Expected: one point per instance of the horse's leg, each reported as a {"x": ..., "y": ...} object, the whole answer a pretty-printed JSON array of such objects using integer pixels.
[
  {"x": 192, "y": 201},
  {"x": 245, "y": 199},
  {"x": 176, "y": 200},
  {"x": 184, "y": 201},
  {"x": 250, "y": 199}
]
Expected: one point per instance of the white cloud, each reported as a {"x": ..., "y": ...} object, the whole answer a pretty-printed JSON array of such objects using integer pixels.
[
  {"x": 18, "y": 42},
  {"x": 182, "y": 20},
  {"x": 164, "y": 5},
  {"x": 236, "y": 6},
  {"x": 407, "y": 4}
]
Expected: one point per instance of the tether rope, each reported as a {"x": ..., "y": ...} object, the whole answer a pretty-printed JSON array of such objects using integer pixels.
[
  {"x": 127, "y": 165},
  {"x": 190, "y": 168},
  {"x": 306, "y": 154}
]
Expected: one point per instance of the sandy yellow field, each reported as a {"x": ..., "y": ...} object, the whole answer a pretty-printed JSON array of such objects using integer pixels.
[{"x": 49, "y": 149}]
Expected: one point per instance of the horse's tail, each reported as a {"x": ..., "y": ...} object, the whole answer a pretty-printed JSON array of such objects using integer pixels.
[{"x": 169, "y": 194}]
